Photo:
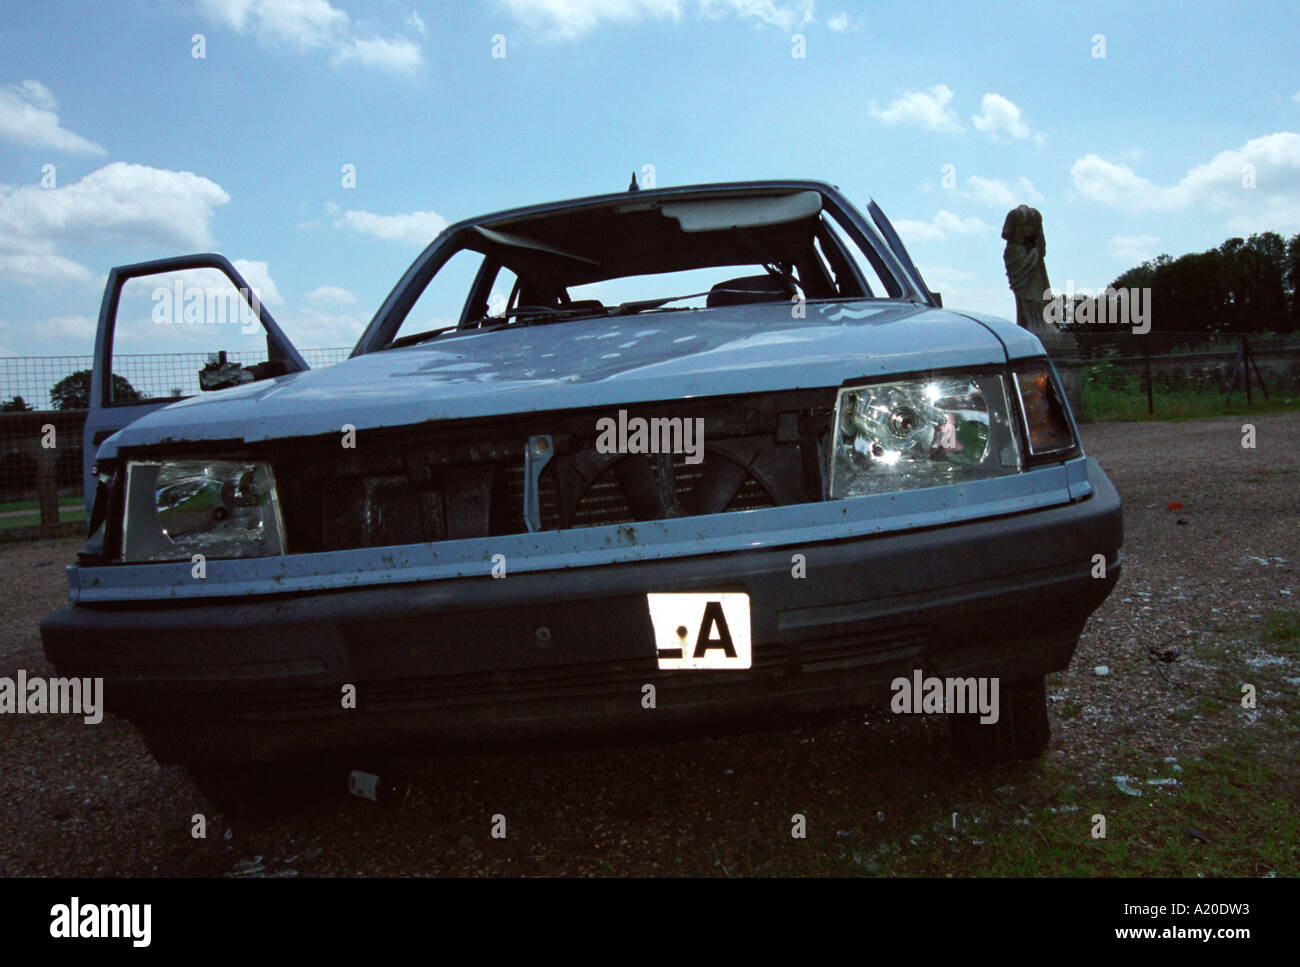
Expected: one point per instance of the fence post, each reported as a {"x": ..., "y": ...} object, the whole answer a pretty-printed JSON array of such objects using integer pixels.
[
  {"x": 1245, "y": 366},
  {"x": 1258, "y": 375},
  {"x": 47, "y": 489},
  {"x": 1151, "y": 402}
]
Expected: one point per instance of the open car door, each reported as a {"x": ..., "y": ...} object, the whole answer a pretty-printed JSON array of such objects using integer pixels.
[
  {"x": 198, "y": 306},
  {"x": 896, "y": 246}
]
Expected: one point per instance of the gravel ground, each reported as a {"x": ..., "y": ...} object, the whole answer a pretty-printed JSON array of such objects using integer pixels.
[{"x": 91, "y": 801}]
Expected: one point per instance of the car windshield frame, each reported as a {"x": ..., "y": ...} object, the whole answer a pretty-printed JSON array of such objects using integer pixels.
[{"x": 480, "y": 234}]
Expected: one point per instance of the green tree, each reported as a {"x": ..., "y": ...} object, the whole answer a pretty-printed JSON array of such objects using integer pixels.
[
  {"x": 73, "y": 391},
  {"x": 1244, "y": 285},
  {"x": 1292, "y": 278},
  {"x": 16, "y": 405}
]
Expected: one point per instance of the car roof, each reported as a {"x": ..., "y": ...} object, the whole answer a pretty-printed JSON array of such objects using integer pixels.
[{"x": 650, "y": 194}]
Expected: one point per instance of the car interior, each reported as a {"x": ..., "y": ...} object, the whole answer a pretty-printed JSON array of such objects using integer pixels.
[{"x": 787, "y": 246}]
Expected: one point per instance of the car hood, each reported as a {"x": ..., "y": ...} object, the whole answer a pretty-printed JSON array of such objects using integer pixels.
[{"x": 585, "y": 363}]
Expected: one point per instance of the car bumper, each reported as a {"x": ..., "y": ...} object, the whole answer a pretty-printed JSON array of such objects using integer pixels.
[{"x": 569, "y": 652}]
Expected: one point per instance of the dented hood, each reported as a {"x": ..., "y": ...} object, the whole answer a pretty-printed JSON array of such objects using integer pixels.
[{"x": 584, "y": 363}]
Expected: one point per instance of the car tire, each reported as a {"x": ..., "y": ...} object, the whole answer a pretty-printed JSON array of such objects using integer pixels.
[
  {"x": 1022, "y": 730},
  {"x": 266, "y": 789}
]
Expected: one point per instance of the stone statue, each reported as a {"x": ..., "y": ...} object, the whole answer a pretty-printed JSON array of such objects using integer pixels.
[{"x": 1026, "y": 270}]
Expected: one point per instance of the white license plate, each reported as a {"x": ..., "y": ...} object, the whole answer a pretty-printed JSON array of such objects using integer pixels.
[{"x": 701, "y": 630}]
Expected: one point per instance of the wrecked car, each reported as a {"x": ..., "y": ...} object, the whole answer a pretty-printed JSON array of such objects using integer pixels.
[{"x": 644, "y": 461}]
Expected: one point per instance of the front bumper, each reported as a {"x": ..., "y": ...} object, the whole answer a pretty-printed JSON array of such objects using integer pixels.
[{"x": 234, "y": 679}]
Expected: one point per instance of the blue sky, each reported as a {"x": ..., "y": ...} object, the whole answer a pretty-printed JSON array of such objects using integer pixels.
[{"x": 1182, "y": 134}]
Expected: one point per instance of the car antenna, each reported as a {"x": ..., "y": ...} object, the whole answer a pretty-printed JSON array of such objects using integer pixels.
[{"x": 634, "y": 186}]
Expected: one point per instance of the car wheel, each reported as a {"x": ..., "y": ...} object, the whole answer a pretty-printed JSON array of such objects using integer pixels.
[
  {"x": 265, "y": 789},
  {"x": 1021, "y": 731}
]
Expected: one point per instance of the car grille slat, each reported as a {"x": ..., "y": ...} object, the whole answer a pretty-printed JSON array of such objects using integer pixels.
[{"x": 456, "y": 479}]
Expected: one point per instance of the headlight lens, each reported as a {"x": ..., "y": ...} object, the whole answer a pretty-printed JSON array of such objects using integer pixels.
[
  {"x": 1045, "y": 422},
  {"x": 217, "y": 508},
  {"x": 921, "y": 433}
]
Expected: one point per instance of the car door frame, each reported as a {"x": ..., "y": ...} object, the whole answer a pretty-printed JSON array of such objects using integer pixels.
[
  {"x": 104, "y": 416},
  {"x": 895, "y": 243}
]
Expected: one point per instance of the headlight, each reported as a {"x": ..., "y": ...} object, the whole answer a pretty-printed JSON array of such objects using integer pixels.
[
  {"x": 921, "y": 433},
  {"x": 217, "y": 508},
  {"x": 1045, "y": 422}
]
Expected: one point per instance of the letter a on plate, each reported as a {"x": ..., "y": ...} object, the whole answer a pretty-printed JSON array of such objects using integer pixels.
[{"x": 701, "y": 630}]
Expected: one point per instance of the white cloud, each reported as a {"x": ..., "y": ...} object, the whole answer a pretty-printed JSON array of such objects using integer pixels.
[
  {"x": 399, "y": 55},
  {"x": 1271, "y": 163},
  {"x": 303, "y": 23},
  {"x": 839, "y": 23},
  {"x": 316, "y": 24},
  {"x": 64, "y": 334},
  {"x": 969, "y": 290},
  {"x": 997, "y": 193},
  {"x": 28, "y": 117},
  {"x": 1132, "y": 248},
  {"x": 57, "y": 335},
  {"x": 566, "y": 19},
  {"x": 945, "y": 277},
  {"x": 324, "y": 327},
  {"x": 256, "y": 273},
  {"x": 332, "y": 294},
  {"x": 43, "y": 267},
  {"x": 416, "y": 228},
  {"x": 928, "y": 110},
  {"x": 1296, "y": 97},
  {"x": 939, "y": 228},
  {"x": 1119, "y": 185},
  {"x": 999, "y": 116},
  {"x": 785, "y": 16},
  {"x": 956, "y": 225},
  {"x": 298, "y": 23},
  {"x": 117, "y": 203},
  {"x": 232, "y": 13},
  {"x": 328, "y": 209},
  {"x": 258, "y": 277},
  {"x": 74, "y": 327}
]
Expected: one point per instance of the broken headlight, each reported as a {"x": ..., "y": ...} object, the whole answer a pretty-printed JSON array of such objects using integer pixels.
[
  {"x": 1048, "y": 429},
  {"x": 218, "y": 508},
  {"x": 914, "y": 433}
]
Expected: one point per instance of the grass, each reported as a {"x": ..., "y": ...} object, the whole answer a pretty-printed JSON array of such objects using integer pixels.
[
  {"x": 1282, "y": 632},
  {"x": 17, "y": 514},
  {"x": 1229, "y": 811},
  {"x": 35, "y": 504},
  {"x": 68, "y": 512},
  {"x": 1127, "y": 400},
  {"x": 1237, "y": 799}
]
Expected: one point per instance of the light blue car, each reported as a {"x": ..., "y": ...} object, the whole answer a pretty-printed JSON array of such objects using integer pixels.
[{"x": 652, "y": 461}]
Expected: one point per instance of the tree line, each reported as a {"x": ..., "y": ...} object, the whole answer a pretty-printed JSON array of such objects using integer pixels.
[
  {"x": 1244, "y": 286},
  {"x": 73, "y": 393}
]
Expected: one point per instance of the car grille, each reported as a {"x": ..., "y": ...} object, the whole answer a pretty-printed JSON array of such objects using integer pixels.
[{"x": 463, "y": 479}]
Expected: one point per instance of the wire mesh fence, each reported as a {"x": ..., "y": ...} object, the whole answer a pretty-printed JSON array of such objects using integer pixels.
[
  {"x": 151, "y": 375},
  {"x": 41, "y": 419},
  {"x": 1122, "y": 343},
  {"x": 1173, "y": 371},
  {"x": 41, "y": 448}
]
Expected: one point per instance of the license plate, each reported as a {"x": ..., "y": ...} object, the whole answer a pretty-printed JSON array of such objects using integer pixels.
[{"x": 701, "y": 630}]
